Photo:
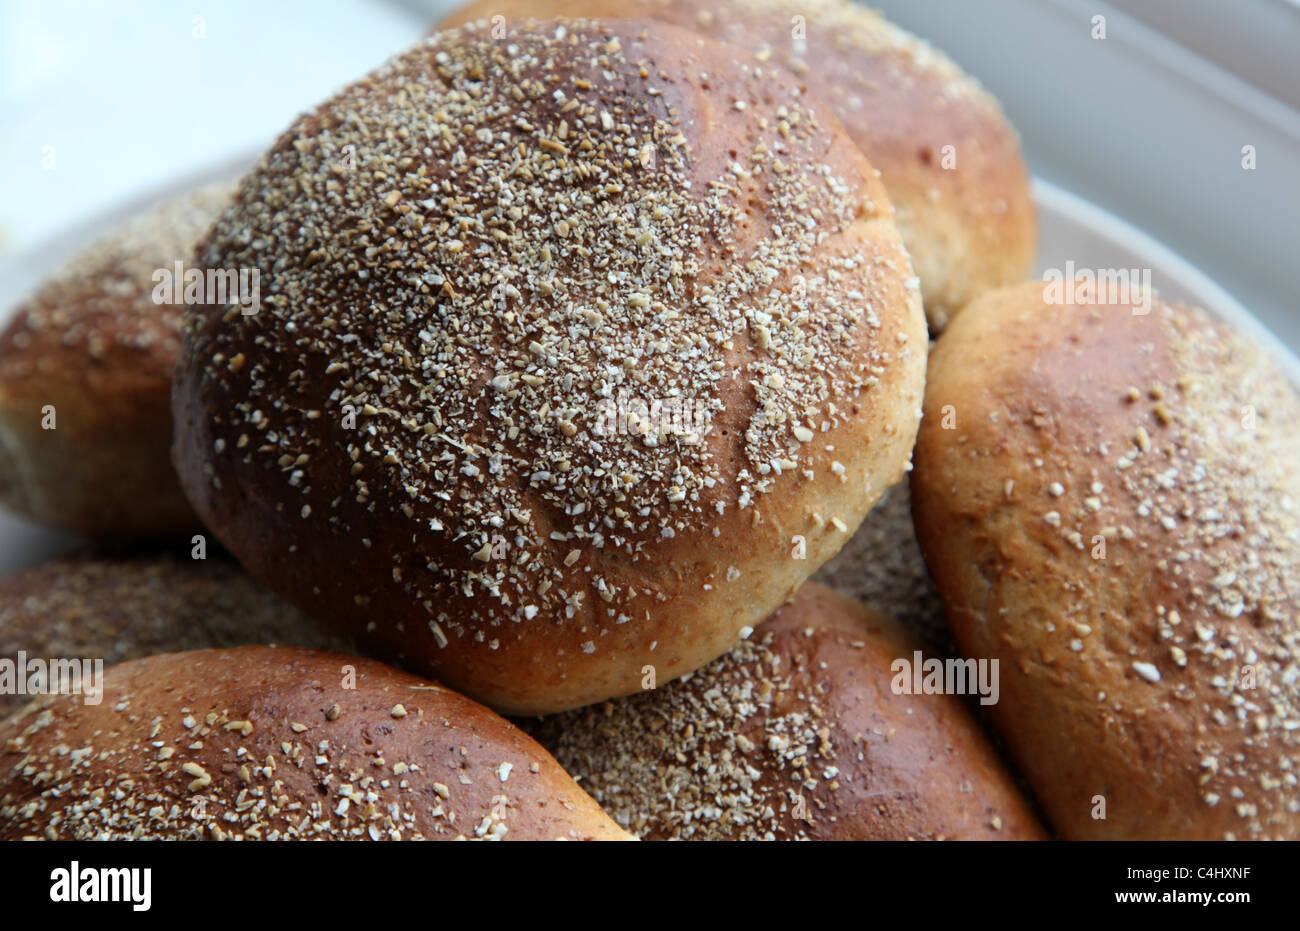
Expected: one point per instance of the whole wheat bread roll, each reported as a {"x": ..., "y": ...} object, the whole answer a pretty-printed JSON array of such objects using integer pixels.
[
  {"x": 270, "y": 743},
  {"x": 796, "y": 733},
  {"x": 1109, "y": 501},
  {"x": 85, "y": 375},
  {"x": 122, "y": 607},
  {"x": 948, "y": 157},
  {"x": 422, "y": 435}
]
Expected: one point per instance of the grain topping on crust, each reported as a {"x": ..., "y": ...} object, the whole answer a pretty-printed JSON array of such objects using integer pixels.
[
  {"x": 700, "y": 753},
  {"x": 256, "y": 748},
  {"x": 121, "y": 608},
  {"x": 481, "y": 244},
  {"x": 102, "y": 298},
  {"x": 1208, "y": 468}
]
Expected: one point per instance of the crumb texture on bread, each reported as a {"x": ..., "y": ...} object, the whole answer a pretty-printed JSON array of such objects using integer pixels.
[
  {"x": 947, "y": 154},
  {"x": 429, "y": 433},
  {"x": 795, "y": 734},
  {"x": 1114, "y": 510},
  {"x": 278, "y": 743}
]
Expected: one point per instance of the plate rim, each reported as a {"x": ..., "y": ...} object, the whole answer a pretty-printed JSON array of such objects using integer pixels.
[{"x": 1210, "y": 297}]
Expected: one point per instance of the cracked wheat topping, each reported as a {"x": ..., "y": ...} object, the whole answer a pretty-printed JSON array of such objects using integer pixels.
[
  {"x": 947, "y": 155},
  {"x": 1210, "y": 471},
  {"x": 724, "y": 753},
  {"x": 121, "y": 608},
  {"x": 101, "y": 299},
  {"x": 881, "y": 566},
  {"x": 251, "y": 744},
  {"x": 797, "y": 733},
  {"x": 479, "y": 244}
]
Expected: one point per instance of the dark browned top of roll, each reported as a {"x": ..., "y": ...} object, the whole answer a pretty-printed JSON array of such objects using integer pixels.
[
  {"x": 266, "y": 743},
  {"x": 531, "y": 227},
  {"x": 947, "y": 154},
  {"x": 794, "y": 734}
]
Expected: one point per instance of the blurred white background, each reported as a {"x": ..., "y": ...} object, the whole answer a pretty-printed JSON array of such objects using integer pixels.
[
  {"x": 104, "y": 103},
  {"x": 132, "y": 94},
  {"x": 1150, "y": 122}
]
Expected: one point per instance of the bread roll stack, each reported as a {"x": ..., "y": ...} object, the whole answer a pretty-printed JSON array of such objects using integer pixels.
[{"x": 581, "y": 345}]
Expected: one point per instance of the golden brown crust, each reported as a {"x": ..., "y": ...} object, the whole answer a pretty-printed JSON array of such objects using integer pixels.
[
  {"x": 532, "y": 230},
  {"x": 118, "y": 608},
  {"x": 94, "y": 345},
  {"x": 270, "y": 743},
  {"x": 800, "y": 718},
  {"x": 1115, "y": 514},
  {"x": 969, "y": 227}
]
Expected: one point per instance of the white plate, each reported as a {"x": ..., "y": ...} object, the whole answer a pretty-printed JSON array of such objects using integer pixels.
[
  {"x": 1070, "y": 229},
  {"x": 1073, "y": 229}
]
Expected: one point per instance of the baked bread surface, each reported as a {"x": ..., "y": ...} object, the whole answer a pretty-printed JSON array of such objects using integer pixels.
[
  {"x": 271, "y": 743},
  {"x": 795, "y": 734},
  {"x": 93, "y": 345},
  {"x": 1115, "y": 514},
  {"x": 947, "y": 154},
  {"x": 414, "y": 436}
]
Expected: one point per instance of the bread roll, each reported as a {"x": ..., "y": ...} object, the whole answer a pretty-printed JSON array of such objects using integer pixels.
[
  {"x": 117, "y": 608},
  {"x": 272, "y": 743},
  {"x": 85, "y": 372},
  {"x": 420, "y": 435},
  {"x": 1115, "y": 515},
  {"x": 797, "y": 733},
  {"x": 946, "y": 153}
]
